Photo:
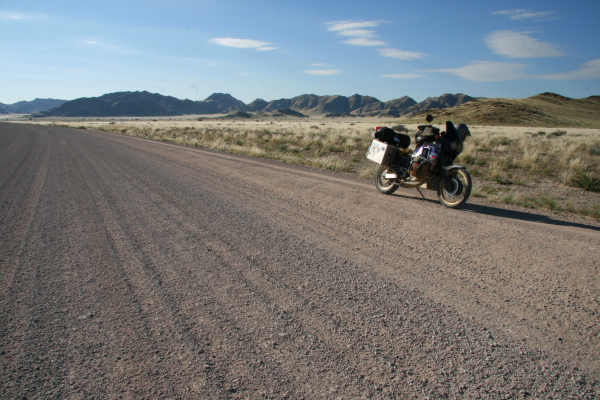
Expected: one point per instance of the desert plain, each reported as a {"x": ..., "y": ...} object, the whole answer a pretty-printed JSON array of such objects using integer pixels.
[{"x": 550, "y": 169}]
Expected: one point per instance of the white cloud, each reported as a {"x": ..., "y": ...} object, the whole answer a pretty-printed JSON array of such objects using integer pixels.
[
  {"x": 520, "y": 15},
  {"x": 365, "y": 33},
  {"x": 12, "y": 16},
  {"x": 364, "y": 42},
  {"x": 495, "y": 71},
  {"x": 355, "y": 30},
  {"x": 401, "y": 54},
  {"x": 100, "y": 45},
  {"x": 323, "y": 72},
  {"x": 350, "y": 25},
  {"x": 589, "y": 70},
  {"x": 488, "y": 71},
  {"x": 403, "y": 76},
  {"x": 243, "y": 43},
  {"x": 366, "y": 37},
  {"x": 520, "y": 45}
]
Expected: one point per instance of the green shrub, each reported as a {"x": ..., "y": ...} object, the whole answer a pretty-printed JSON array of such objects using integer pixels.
[
  {"x": 591, "y": 211},
  {"x": 594, "y": 150},
  {"x": 400, "y": 128},
  {"x": 525, "y": 201},
  {"x": 503, "y": 140},
  {"x": 509, "y": 199},
  {"x": 587, "y": 182},
  {"x": 468, "y": 158},
  {"x": 557, "y": 134},
  {"x": 489, "y": 190},
  {"x": 547, "y": 201},
  {"x": 503, "y": 181}
]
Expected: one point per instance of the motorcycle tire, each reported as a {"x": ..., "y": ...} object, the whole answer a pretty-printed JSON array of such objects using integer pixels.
[
  {"x": 385, "y": 186},
  {"x": 459, "y": 190}
]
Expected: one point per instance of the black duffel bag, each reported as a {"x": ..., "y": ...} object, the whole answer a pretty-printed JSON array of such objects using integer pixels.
[{"x": 390, "y": 136}]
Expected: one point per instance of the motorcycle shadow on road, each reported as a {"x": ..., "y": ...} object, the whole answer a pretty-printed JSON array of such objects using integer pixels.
[
  {"x": 413, "y": 194},
  {"x": 501, "y": 212},
  {"x": 523, "y": 216}
]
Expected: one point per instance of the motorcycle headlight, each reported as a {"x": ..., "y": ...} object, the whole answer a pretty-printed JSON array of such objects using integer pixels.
[{"x": 457, "y": 146}]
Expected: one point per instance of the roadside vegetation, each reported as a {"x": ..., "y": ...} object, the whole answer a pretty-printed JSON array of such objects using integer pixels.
[
  {"x": 315, "y": 144},
  {"x": 552, "y": 169}
]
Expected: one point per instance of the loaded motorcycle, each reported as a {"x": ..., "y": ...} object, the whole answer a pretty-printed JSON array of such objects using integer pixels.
[{"x": 430, "y": 166}]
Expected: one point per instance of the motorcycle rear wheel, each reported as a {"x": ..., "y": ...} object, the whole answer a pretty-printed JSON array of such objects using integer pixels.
[
  {"x": 384, "y": 185},
  {"x": 459, "y": 189}
]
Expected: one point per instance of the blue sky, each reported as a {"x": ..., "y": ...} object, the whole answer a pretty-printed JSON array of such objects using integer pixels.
[{"x": 274, "y": 49}]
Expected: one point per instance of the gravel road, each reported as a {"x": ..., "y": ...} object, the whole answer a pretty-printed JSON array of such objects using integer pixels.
[{"x": 137, "y": 269}]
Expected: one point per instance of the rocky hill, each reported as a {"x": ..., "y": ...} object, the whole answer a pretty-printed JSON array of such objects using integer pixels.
[
  {"x": 340, "y": 105},
  {"x": 131, "y": 104},
  {"x": 30, "y": 107},
  {"x": 542, "y": 110},
  {"x": 224, "y": 102},
  {"x": 138, "y": 104},
  {"x": 444, "y": 101},
  {"x": 257, "y": 105}
]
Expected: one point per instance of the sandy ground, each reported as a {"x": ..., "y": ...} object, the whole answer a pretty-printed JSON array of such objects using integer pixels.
[{"x": 137, "y": 269}]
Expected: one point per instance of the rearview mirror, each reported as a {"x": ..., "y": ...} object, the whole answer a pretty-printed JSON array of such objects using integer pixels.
[{"x": 429, "y": 118}]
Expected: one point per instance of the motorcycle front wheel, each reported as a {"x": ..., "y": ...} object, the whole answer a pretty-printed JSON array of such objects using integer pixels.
[
  {"x": 456, "y": 192},
  {"x": 384, "y": 185}
]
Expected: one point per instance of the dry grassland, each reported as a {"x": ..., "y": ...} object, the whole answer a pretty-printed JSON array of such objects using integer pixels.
[
  {"x": 549, "y": 110},
  {"x": 548, "y": 168}
]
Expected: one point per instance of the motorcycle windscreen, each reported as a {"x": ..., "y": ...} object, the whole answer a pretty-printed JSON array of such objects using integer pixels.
[
  {"x": 451, "y": 132},
  {"x": 452, "y": 140}
]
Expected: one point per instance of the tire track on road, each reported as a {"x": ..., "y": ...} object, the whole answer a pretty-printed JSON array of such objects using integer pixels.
[
  {"x": 145, "y": 306},
  {"x": 17, "y": 222},
  {"x": 189, "y": 228}
]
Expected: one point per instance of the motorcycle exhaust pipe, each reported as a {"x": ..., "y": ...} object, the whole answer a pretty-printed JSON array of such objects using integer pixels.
[{"x": 390, "y": 176}]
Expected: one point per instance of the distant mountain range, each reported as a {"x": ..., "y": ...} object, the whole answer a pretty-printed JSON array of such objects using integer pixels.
[
  {"x": 30, "y": 107},
  {"x": 145, "y": 104},
  {"x": 543, "y": 110}
]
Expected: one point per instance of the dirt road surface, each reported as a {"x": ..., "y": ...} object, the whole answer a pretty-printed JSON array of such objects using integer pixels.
[{"x": 137, "y": 269}]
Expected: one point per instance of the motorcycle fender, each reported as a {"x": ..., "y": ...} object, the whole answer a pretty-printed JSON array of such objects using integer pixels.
[{"x": 449, "y": 167}]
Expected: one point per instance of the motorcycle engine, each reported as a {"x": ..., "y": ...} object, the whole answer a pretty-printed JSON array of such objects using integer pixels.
[
  {"x": 423, "y": 158},
  {"x": 419, "y": 167}
]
